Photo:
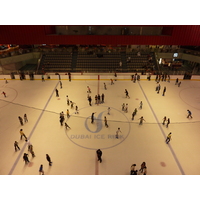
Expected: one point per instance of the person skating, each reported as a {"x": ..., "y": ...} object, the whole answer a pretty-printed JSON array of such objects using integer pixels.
[
  {"x": 92, "y": 118},
  {"x": 158, "y": 89},
  {"x": 105, "y": 86},
  {"x": 105, "y": 121},
  {"x": 76, "y": 110},
  {"x": 68, "y": 102},
  {"x": 90, "y": 100},
  {"x": 133, "y": 171},
  {"x": 164, "y": 90},
  {"x": 143, "y": 165},
  {"x": 49, "y": 159},
  {"x": 126, "y": 92},
  {"x": 108, "y": 110},
  {"x": 141, "y": 104},
  {"x": 168, "y": 138},
  {"x": 96, "y": 99},
  {"x": 41, "y": 171},
  {"x": 30, "y": 146},
  {"x": 164, "y": 120},
  {"x": 189, "y": 114},
  {"x": 117, "y": 133},
  {"x": 4, "y": 93},
  {"x": 102, "y": 98},
  {"x": 22, "y": 134},
  {"x": 99, "y": 154},
  {"x": 68, "y": 113},
  {"x": 141, "y": 120},
  {"x": 111, "y": 81},
  {"x": 176, "y": 81},
  {"x": 88, "y": 89},
  {"x": 123, "y": 106},
  {"x": 126, "y": 108},
  {"x": 25, "y": 158},
  {"x": 16, "y": 146},
  {"x": 66, "y": 125},
  {"x": 179, "y": 84},
  {"x": 133, "y": 114},
  {"x": 60, "y": 84},
  {"x": 25, "y": 118},
  {"x": 57, "y": 95},
  {"x": 20, "y": 120},
  {"x": 168, "y": 122}
]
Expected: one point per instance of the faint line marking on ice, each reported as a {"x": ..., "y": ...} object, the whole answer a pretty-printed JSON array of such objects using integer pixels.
[
  {"x": 171, "y": 149},
  {"x": 22, "y": 149}
]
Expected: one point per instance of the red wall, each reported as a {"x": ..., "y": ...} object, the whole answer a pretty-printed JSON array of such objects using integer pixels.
[{"x": 38, "y": 34}]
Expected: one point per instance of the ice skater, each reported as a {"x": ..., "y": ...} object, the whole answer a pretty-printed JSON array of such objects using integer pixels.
[
  {"x": 92, "y": 118},
  {"x": 117, "y": 133},
  {"x": 16, "y": 146},
  {"x": 102, "y": 98},
  {"x": 49, "y": 159},
  {"x": 66, "y": 126},
  {"x": 41, "y": 171},
  {"x": 105, "y": 121},
  {"x": 105, "y": 86},
  {"x": 72, "y": 104},
  {"x": 88, "y": 89},
  {"x": 126, "y": 108},
  {"x": 30, "y": 146},
  {"x": 25, "y": 118},
  {"x": 20, "y": 120},
  {"x": 164, "y": 90},
  {"x": 189, "y": 114},
  {"x": 141, "y": 120},
  {"x": 43, "y": 78},
  {"x": 164, "y": 120},
  {"x": 4, "y": 93},
  {"x": 176, "y": 81},
  {"x": 22, "y": 134},
  {"x": 158, "y": 89},
  {"x": 134, "y": 113},
  {"x": 57, "y": 95},
  {"x": 96, "y": 99},
  {"x": 168, "y": 122},
  {"x": 179, "y": 84},
  {"x": 68, "y": 102},
  {"x": 108, "y": 110},
  {"x": 68, "y": 113},
  {"x": 168, "y": 138},
  {"x": 143, "y": 165},
  {"x": 76, "y": 110},
  {"x": 90, "y": 100},
  {"x": 141, "y": 104},
  {"x": 126, "y": 92},
  {"x": 123, "y": 106},
  {"x": 5, "y": 81},
  {"x": 99, "y": 154},
  {"x": 133, "y": 171},
  {"x": 60, "y": 84},
  {"x": 111, "y": 80},
  {"x": 25, "y": 158}
]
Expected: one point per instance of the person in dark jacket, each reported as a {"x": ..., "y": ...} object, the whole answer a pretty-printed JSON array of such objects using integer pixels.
[
  {"x": 49, "y": 159},
  {"x": 99, "y": 154}
]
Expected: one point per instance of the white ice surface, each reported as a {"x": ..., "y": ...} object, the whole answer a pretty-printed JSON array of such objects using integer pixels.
[{"x": 73, "y": 152}]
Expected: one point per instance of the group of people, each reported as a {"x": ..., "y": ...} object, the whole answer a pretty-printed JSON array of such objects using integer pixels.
[{"x": 142, "y": 170}]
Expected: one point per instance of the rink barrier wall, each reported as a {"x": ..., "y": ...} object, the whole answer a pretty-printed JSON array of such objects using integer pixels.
[{"x": 92, "y": 76}]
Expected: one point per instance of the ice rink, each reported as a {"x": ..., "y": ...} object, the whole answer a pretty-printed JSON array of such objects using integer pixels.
[{"x": 73, "y": 151}]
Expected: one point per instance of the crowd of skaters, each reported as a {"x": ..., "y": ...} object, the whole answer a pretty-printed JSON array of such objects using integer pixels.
[{"x": 98, "y": 99}]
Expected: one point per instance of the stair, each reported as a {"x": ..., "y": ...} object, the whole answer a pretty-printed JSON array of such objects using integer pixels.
[
  {"x": 123, "y": 59},
  {"x": 74, "y": 60}
]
